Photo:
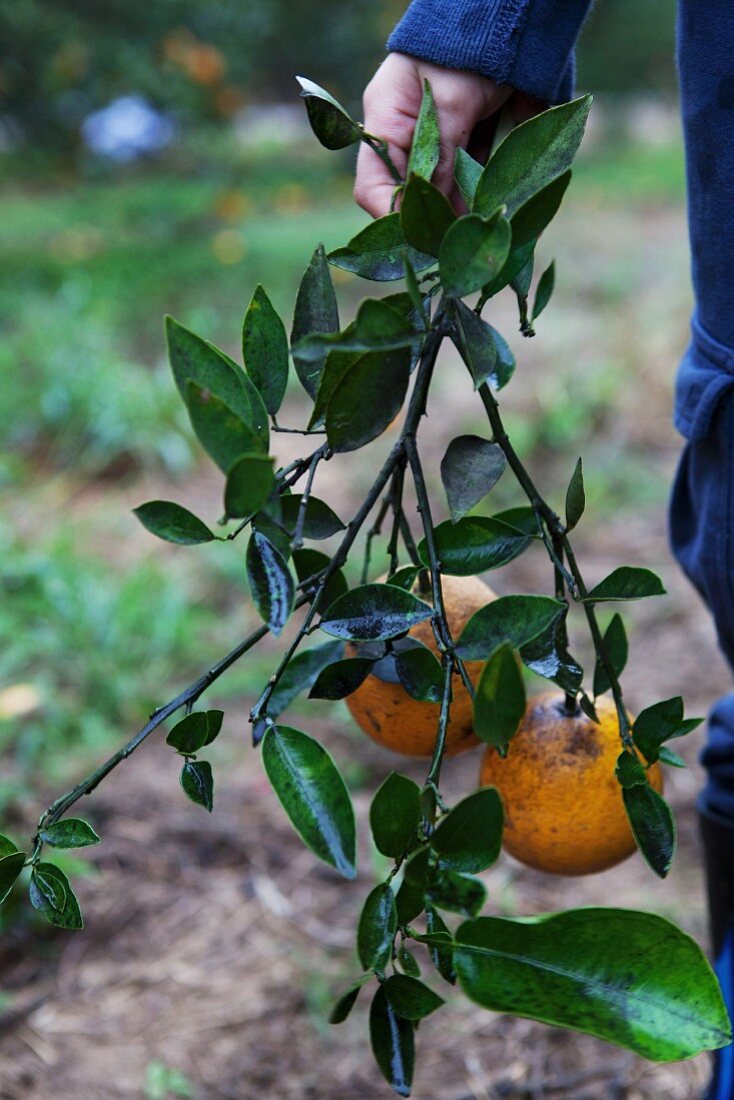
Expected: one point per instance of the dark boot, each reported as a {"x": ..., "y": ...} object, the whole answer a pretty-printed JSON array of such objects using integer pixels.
[{"x": 717, "y": 833}]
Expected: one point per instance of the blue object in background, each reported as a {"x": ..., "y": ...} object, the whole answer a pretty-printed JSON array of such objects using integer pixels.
[{"x": 129, "y": 128}]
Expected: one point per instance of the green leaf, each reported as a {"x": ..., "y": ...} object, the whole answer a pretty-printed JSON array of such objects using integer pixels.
[
  {"x": 222, "y": 434},
  {"x": 420, "y": 674},
  {"x": 441, "y": 956},
  {"x": 340, "y": 679},
  {"x": 265, "y": 350},
  {"x": 197, "y": 783},
  {"x": 271, "y": 582},
  {"x": 300, "y": 673},
  {"x": 331, "y": 124},
  {"x": 530, "y": 219},
  {"x": 426, "y": 215},
  {"x": 408, "y": 962},
  {"x": 500, "y": 700},
  {"x": 377, "y": 252},
  {"x": 627, "y": 582},
  {"x": 653, "y": 826},
  {"x": 411, "y": 999},
  {"x": 393, "y": 1044},
  {"x": 522, "y": 518},
  {"x": 10, "y": 867},
  {"x": 378, "y": 924},
  {"x": 47, "y": 894},
  {"x": 629, "y": 771},
  {"x": 426, "y": 147},
  {"x": 395, "y": 815},
  {"x": 268, "y": 523},
  {"x": 471, "y": 467},
  {"x": 616, "y": 649},
  {"x": 508, "y": 620},
  {"x": 173, "y": 523},
  {"x": 7, "y": 847},
  {"x": 308, "y": 563},
  {"x": 313, "y": 794},
  {"x": 469, "y": 838},
  {"x": 374, "y": 613},
  {"x": 380, "y": 325},
  {"x": 467, "y": 173},
  {"x": 410, "y": 899},
  {"x": 630, "y": 978},
  {"x": 71, "y": 832},
  {"x": 70, "y": 916},
  {"x": 316, "y": 311},
  {"x": 661, "y": 722},
  {"x": 544, "y": 290},
  {"x": 485, "y": 352},
  {"x": 345, "y": 1004},
  {"x": 321, "y": 521},
  {"x": 456, "y": 892},
  {"x": 353, "y": 416},
  {"x": 475, "y": 544},
  {"x": 195, "y": 731},
  {"x": 517, "y": 262},
  {"x": 520, "y": 283},
  {"x": 337, "y": 364},
  {"x": 532, "y": 155},
  {"x": 249, "y": 484},
  {"x": 575, "y": 497},
  {"x": 548, "y": 656},
  {"x": 472, "y": 253},
  {"x": 405, "y": 577},
  {"x": 667, "y": 756}
]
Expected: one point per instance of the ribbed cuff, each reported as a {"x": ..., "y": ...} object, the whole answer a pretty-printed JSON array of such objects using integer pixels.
[{"x": 705, "y": 374}]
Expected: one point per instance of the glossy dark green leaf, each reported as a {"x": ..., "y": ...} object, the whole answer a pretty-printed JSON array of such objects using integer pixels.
[
  {"x": 426, "y": 146},
  {"x": 522, "y": 518},
  {"x": 343, "y": 1007},
  {"x": 313, "y": 794},
  {"x": 408, "y": 962},
  {"x": 173, "y": 523},
  {"x": 355, "y": 416},
  {"x": 471, "y": 467},
  {"x": 301, "y": 673},
  {"x": 661, "y": 722},
  {"x": 330, "y": 122},
  {"x": 190, "y": 734},
  {"x": 265, "y": 350},
  {"x": 441, "y": 956},
  {"x": 469, "y": 838},
  {"x": 378, "y": 250},
  {"x": 316, "y": 311},
  {"x": 667, "y": 756},
  {"x": 395, "y": 815},
  {"x": 70, "y": 832},
  {"x": 70, "y": 916},
  {"x": 530, "y": 219},
  {"x": 532, "y": 155},
  {"x": 575, "y": 497},
  {"x": 338, "y": 680},
  {"x": 411, "y": 999},
  {"x": 544, "y": 290},
  {"x": 310, "y": 562},
  {"x": 467, "y": 173},
  {"x": 631, "y": 978},
  {"x": 47, "y": 894},
  {"x": 378, "y": 924},
  {"x": 197, "y": 783},
  {"x": 222, "y": 434},
  {"x": 475, "y": 341},
  {"x": 653, "y": 826},
  {"x": 321, "y": 521},
  {"x": 271, "y": 583},
  {"x": 456, "y": 892},
  {"x": 509, "y": 620},
  {"x": 393, "y": 1044},
  {"x": 627, "y": 582},
  {"x": 11, "y": 864},
  {"x": 629, "y": 770},
  {"x": 500, "y": 700},
  {"x": 616, "y": 649},
  {"x": 249, "y": 484},
  {"x": 410, "y": 898},
  {"x": 272, "y": 530},
  {"x": 548, "y": 656},
  {"x": 373, "y": 613},
  {"x": 475, "y": 544},
  {"x": 420, "y": 674},
  {"x": 472, "y": 253},
  {"x": 405, "y": 577},
  {"x": 337, "y": 364},
  {"x": 426, "y": 215},
  {"x": 380, "y": 325}
]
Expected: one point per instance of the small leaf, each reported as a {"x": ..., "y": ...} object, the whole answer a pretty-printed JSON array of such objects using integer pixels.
[
  {"x": 410, "y": 899},
  {"x": 544, "y": 290},
  {"x": 485, "y": 352},
  {"x": 426, "y": 147},
  {"x": 467, "y": 173},
  {"x": 441, "y": 956},
  {"x": 405, "y": 577},
  {"x": 300, "y": 673},
  {"x": 411, "y": 999},
  {"x": 653, "y": 826},
  {"x": 197, "y": 783},
  {"x": 71, "y": 832},
  {"x": 265, "y": 350},
  {"x": 321, "y": 521},
  {"x": 70, "y": 916},
  {"x": 516, "y": 263},
  {"x": 629, "y": 771},
  {"x": 508, "y": 620},
  {"x": 575, "y": 497},
  {"x": 616, "y": 649},
  {"x": 420, "y": 674},
  {"x": 330, "y": 122},
  {"x": 316, "y": 311},
  {"x": 173, "y": 523},
  {"x": 374, "y": 612},
  {"x": 378, "y": 924},
  {"x": 313, "y": 794},
  {"x": 378, "y": 251},
  {"x": 457, "y": 892},
  {"x": 222, "y": 434},
  {"x": 190, "y": 734},
  {"x": 661, "y": 722},
  {"x": 395, "y": 815},
  {"x": 308, "y": 563},
  {"x": 469, "y": 838},
  {"x": 214, "y": 719},
  {"x": 472, "y": 253},
  {"x": 500, "y": 700},
  {"x": 408, "y": 962},
  {"x": 10, "y": 867},
  {"x": 393, "y": 1044},
  {"x": 271, "y": 583},
  {"x": 627, "y": 582},
  {"x": 475, "y": 544},
  {"x": 530, "y": 219},
  {"x": 345, "y": 1004},
  {"x": 425, "y": 215},
  {"x": 340, "y": 679},
  {"x": 353, "y": 416},
  {"x": 249, "y": 485},
  {"x": 47, "y": 894},
  {"x": 470, "y": 468},
  {"x": 667, "y": 756}
]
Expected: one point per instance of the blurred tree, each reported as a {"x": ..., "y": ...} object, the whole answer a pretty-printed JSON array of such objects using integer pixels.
[{"x": 627, "y": 47}]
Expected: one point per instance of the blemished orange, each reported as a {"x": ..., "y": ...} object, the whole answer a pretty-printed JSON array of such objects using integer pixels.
[
  {"x": 391, "y": 717},
  {"x": 564, "y": 811}
]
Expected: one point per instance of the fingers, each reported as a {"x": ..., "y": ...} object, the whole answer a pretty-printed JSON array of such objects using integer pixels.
[{"x": 392, "y": 101}]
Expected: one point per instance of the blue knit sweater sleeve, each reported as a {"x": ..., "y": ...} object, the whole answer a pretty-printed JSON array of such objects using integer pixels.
[{"x": 526, "y": 43}]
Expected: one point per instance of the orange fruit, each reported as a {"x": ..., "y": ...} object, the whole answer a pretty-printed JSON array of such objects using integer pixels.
[
  {"x": 564, "y": 811},
  {"x": 391, "y": 717}
]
